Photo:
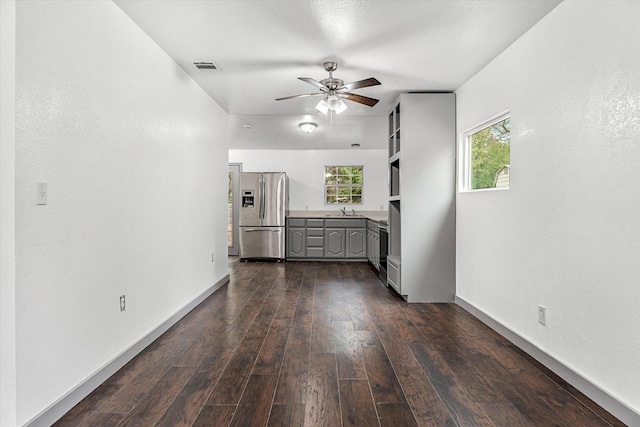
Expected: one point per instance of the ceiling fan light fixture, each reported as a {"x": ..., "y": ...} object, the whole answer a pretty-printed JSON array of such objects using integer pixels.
[
  {"x": 333, "y": 89},
  {"x": 341, "y": 106},
  {"x": 308, "y": 127},
  {"x": 334, "y": 102},
  {"x": 322, "y": 106}
]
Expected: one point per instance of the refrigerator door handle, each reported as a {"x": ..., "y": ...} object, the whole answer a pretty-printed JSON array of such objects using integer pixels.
[
  {"x": 248, "y": 230},
  {"x": 262, "y": 198}
]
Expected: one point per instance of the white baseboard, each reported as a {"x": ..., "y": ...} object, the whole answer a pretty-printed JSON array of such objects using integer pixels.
[
  {"x": 605, "y": 400},
  {"x": 68, "y": 401}
]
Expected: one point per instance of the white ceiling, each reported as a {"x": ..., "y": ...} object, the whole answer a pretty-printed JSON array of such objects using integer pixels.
[{"x": 262, "y": 47}]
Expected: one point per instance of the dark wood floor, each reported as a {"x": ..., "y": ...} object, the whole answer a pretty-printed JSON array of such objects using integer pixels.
[{"x": 326, "y": 344}]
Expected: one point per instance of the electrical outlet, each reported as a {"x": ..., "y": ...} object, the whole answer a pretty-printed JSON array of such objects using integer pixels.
[
  {"x": 212, "y": 257},
  {"x": 542, "y": 315},
  {"x": 122, "y": 303}
]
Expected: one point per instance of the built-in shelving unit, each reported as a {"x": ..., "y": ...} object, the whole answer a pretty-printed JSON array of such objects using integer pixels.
[
  {"x": 393, "y": 256},
  {"x": 421, "y": 253}
]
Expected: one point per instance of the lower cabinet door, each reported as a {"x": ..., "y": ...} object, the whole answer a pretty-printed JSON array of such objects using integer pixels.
[
  {"x": 334, "y": 242},
  {"x": 375, "y": 249},
  {"x": 296, "y": 242},
  {"x": 356, "y": 243}
]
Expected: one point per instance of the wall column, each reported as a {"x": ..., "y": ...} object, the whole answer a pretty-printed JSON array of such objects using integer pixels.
[{"x": 7, "y": 213}]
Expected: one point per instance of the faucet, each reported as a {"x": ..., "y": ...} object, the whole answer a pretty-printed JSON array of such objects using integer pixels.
[
  {"x": 343, "y": 210},
  {"x": 353, "y": 212}
]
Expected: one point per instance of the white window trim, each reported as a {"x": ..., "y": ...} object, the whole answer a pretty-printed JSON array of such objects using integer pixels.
[
  {"x": 464, "y": 148},
  {"x": 324, "y": 178}
]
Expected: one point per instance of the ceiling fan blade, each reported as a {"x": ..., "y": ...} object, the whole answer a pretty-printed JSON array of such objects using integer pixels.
[
  {"x": 300, "y": 96},
  {"x": 314, "y": 83},
  {"x": 371, "y": 81},
  {"x": 360, "y": 99}
]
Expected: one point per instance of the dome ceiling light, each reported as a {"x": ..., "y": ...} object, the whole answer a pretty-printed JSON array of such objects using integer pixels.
[{"x": 308, "y": 127}]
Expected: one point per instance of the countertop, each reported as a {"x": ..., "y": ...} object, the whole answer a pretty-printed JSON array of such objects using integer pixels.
[{"x": 372, "y": 215}]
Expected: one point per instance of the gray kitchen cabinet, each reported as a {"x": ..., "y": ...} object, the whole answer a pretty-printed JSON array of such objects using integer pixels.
[
  {"x": 345, "y": 238},
  {"x": 373, "y": 244},
  {"x": 356, "y": 242},
  {"x": 315, "y": 238},
  {"x": 331, "y": 238},
  {"x": 296, "y": 242},
  {"x": 334, "y": 243}
]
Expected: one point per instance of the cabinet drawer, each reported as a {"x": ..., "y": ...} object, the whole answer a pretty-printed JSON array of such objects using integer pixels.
[
  {"x": 295, "y": 222},
  {"x": 346, "y": 223},
  {"x": 314, "y": 241},
  {"x": 316, "y": 223},
  {"x": 315, "y": 252},
  {"x": 372, "y": 225},
  {"x": 393, "y": 275},
  {"x": 315, "y": 231}
]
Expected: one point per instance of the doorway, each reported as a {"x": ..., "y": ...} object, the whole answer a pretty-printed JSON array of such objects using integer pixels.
[{"x": 233, "y": 197}]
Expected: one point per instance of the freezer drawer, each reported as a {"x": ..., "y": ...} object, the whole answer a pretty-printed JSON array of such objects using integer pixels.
[{"x": 262, "y": 242}]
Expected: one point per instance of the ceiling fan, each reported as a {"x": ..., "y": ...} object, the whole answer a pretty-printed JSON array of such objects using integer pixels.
[{"x": 334, "y": 91}]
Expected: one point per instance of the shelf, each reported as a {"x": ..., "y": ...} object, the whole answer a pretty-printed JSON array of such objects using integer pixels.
[
  {"x": 394, "y": 158},
  {"x": 394, "y": 198},
  {"x": 394, "y": 178},
  {"x": 394, "y": 131}
]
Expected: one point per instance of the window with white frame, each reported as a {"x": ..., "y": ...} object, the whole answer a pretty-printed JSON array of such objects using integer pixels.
[
  {"x": 487, "y": 155},
  {"x": 343, "y": 185}
]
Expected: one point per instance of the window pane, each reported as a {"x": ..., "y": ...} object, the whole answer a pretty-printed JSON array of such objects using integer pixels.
[
  {"x": 341, "y": 182},
  {"x": 490, "y": 156}
]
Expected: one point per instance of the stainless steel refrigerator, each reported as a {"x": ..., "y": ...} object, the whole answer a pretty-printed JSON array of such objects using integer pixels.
[{"x": 263, "y": 207}]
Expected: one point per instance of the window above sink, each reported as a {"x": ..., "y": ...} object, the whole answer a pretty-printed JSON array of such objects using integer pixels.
[{"x": 343, "y": 185}]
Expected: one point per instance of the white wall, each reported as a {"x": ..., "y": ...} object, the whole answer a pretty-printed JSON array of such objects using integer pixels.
[
  {"x": 305, "y": 169},
  {"x": 566, "y": 235},
  {"x": 7, "y": 214},
  {"x": 135, "y": 157}
]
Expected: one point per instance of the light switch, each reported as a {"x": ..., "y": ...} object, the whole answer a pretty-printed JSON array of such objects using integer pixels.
[{"x": 41, "y": 197}]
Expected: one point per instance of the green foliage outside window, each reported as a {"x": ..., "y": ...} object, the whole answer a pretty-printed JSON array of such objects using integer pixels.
[
  {"x": 490, "y": 152},
  {"x": 343, "y": 184}
]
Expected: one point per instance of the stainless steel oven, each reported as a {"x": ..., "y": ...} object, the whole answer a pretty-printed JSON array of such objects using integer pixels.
[{"x": 384, "y": 241}]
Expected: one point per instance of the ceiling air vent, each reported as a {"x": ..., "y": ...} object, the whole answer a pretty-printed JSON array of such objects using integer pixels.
[{"x": 205, "y": 65}]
